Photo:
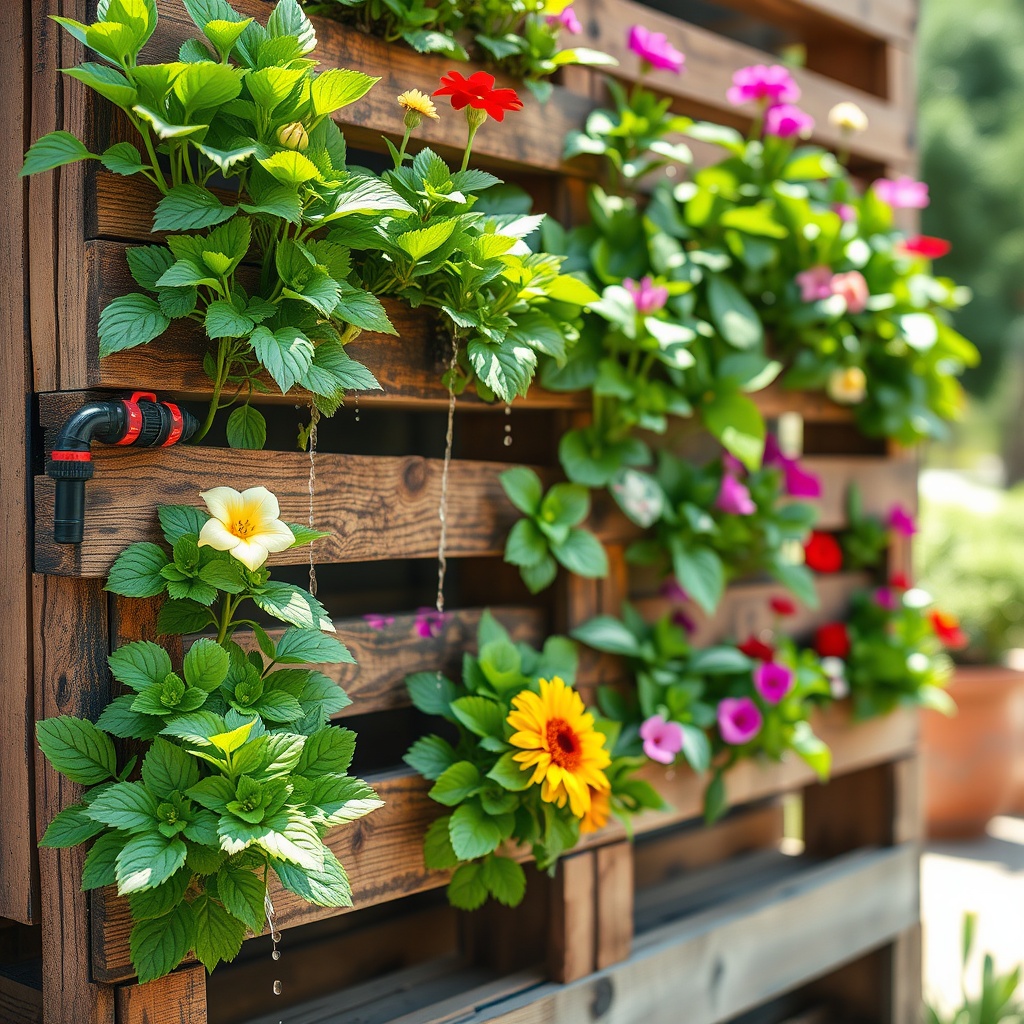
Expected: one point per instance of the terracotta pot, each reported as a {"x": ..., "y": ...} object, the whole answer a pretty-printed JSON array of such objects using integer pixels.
[{"x": 969, "y": 758}]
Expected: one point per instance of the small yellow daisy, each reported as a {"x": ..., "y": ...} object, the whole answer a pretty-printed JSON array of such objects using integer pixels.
[{"x": 418, "y": 102}]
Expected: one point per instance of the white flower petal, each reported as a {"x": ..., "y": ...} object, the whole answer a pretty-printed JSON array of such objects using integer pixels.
[
  {"x": 274, "y": 536},
  {"x": 250, "y": 553},
  {"x": 260, "y": 505},
  {"x": 222, "y": 502},
  {"x": 214, "y": 535}
]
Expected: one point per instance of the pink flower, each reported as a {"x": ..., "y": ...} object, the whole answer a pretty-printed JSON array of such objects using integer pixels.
[
  {"x": 846, "y": 212},
  {"x": 739, "y": 720},
  {"x": 671, "y": 590},
  {"x": 647, "y": 297},
  {"x": 762, "y": 83},
  {"x": 568, "y": 20},
  {"x": 379, "y": 621},
  {"x": 902, "y": 193},
  {"x": 926, "y": 246},
  {"x": 773, "y": 681},
  {"x": 886, "y": 598},
  {"x": 732, "y": 465},
  {"x": 799, "y": 482},
  {"x": 654, "y": 48},
  {"x": 815, "y": 283},
  {"x": 901, "y": 521},
  {"x": 782, "y": 605},
  {"x": 734, "y": 498},
  {"x": 662, "y": 740},
  {"x": 683, "y": 621},
  {"x": 429, "y": 623},
  {"x": 852, "y": 287},
  {"x": 785, "y": 121}
]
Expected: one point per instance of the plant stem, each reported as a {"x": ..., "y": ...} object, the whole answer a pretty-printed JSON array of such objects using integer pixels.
[
  {"x": 225, "y": 619},
  {"x": 473, "y": 129},
  {"x": 218, "y": 385},
  {"x": 401, "y": 151}
]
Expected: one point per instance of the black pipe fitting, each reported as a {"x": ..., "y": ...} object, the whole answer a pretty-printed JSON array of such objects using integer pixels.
[{"x": 141, "y": 420}]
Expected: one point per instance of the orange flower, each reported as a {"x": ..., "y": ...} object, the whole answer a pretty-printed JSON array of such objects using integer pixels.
[{"x": 600, "y": 810}]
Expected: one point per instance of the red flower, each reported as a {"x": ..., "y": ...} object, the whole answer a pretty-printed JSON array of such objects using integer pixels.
[
  {"x": 783, "y": 605},
  {"x": 757, "y": 649},
  {"x": 832, "y": 641},
  {"x": 900, "y": 580},
  {"x": 947, "y": 629},
  {"x": 927, "y": 246},
  {"x": 822, "y": 552},
  {"x": 478, "y": 91}
]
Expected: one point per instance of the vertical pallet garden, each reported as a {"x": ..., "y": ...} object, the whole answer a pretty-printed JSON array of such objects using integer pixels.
[{"x": 678, "y": 921}]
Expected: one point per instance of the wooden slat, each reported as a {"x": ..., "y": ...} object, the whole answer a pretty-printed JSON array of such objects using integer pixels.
[
  {"x": 710, "y": 63},
  {"x": 717, "y": 963},
  {"x": 19, "y": 879},
  {"x": 376, "y": 508},
  {"x": 573, "y": 912},
  {"x": 383, "y": 852},
  {"x": 614, "y": 900},
  {"x": 179, "y": 998},
  {"x": 879, "y": 19},
  {"x": 71, "y": 679},
  {"x": 20, "y": 1001}
]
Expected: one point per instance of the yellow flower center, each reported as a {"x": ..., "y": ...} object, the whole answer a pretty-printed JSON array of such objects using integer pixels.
[
  {"x": 242, "y": 528},
  {"x": 564, "y": 744}
]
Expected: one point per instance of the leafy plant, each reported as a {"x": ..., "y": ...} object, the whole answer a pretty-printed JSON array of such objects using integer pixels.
[
  {"x": 549, "y": 535},
  {"x": 240, "y": 771},
  {"x": 243, "y": 108},
  {"x": 497, "y": 802}
]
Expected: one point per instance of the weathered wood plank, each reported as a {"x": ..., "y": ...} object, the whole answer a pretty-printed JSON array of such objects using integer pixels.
[
  {"x": 613, "y": 896},
  {"x": 19, "y": 878},
  {"x": 376, "y": 508},
  {"x": 180, "y": 998},
  {"x": 879, "y": 19},
  {"x": 573, "y": 918},
  {"x": 20, "y": 1002},
  {"x": 71, "y": 679},
  {"x": 383, "y": 852}
]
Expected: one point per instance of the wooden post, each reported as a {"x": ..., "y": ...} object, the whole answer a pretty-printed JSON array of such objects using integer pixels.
[
  {"x": 180, "y": 998},
  {"x": 573, "y": 925}
]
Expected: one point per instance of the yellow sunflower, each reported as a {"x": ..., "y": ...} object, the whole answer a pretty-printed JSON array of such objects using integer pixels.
[
  {"x": 420, "y": 103},
  {"x": 600, "y": 810},
  {"x": 559, "y": 742}
]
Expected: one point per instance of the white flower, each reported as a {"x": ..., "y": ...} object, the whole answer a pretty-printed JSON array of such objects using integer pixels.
[
  {"x": 246, "y": 524},
  {"x": 848, "y": 117},
  {"x": 848, "y": 386}
]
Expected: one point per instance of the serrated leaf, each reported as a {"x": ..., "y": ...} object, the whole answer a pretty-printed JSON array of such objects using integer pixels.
[
  {"x": 286, "y": 353},
  {"x": 188, "y": 208},
  {"x": 326, "y": 887},
  {"x": 122, "y": 158},
  {"x": 98, "y": 869},
  {"x": 218, "y": 935},
  {"x": 128, "y": 321},
  {"x": 505, "y": 880},
  {"x": 70, "y": 827},
  {"x": 158, "y": 945},
  {"x": 224, "y": 321},
  {"x": 246, "y": 428},
  {"x": 430, "y": 756},
  {"x": 242, "y": 894},
  {"x": 456, "y": 783},
  {"x": 140, "y": 664},
  {"x": 337, "y": 88},
  {"x": 147, "y": 861},
  {"x": 473, "y": 833},
  {"x": 77, "y": 749},
  {"x": 466, "y": 890},
  {"x": 54, "y": 150},
  {"x": 148, "y": 263}
]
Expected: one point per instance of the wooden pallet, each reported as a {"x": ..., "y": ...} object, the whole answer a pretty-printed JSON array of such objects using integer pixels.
[{"x": 64, "y": 238}]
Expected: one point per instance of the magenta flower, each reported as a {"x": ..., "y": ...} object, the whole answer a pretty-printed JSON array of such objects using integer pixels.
[
  {"x": 568, "y": 20},
  {"x": 671, "y": 590},
  {"x": 901, "y": 521},
  {"x": 429, "y": 623},
  {"x": 647, "y": 296},
  {"x": 379, "y": 621},
  {"x": 773, "y": 681},
  {"x": 885, "y": 598},
  {"x": 684, "y": 621},
  {"x": 662, "y": 740},
  {"x": 732, "y": 465},
  {"x": 815, "y": 283},
  {"x": 902, "y": 193},
  {"x": 853, "y": 288},
  {"x": 734, "y": 498},
  {"x": 786, "y": 121},
  {"x": 762, "y": 83},
  {"x": 799, "y": 482},
  {"x": 739, "y": 720},
  {"x": 846, "y": 212},
  {"x": 653, "y": 48}
]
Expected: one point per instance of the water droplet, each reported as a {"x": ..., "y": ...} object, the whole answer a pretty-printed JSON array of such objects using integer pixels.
[
  {"x": 276, "y": 955},
  {"x": 508, "y": 441},
  {"x": 277, "y": 988},
  {"x": 275, "y": 935},
  {"x": 508, "y": 409},
  {"x": 357, "y": 408}
]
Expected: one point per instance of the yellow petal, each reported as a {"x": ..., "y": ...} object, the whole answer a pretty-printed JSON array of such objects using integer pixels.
[
  {"x": 214, "y": 535},
  {"x": 222, "y": 502},
  {"x": 260, "y": 504},
  {"x": 274, "y": 536}
]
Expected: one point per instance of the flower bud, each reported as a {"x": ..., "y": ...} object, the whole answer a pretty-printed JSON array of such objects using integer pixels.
[
  {"x": 293, "y": 136},
  {"x": 847, "y": 386},
  {"x": 848, "y": 117}
]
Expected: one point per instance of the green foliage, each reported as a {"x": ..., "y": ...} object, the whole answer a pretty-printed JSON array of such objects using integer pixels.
[
  {"x": 549, "y": 535},
  {"x": 492, "y": 803},
  {"x": 242, "y": 771}
]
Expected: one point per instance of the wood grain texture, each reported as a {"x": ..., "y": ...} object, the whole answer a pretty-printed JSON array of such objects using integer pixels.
[
  {"x": 573, "y": 918},
  {"x": 880, "y": 19},
  {"x": 71, "y": 679},
  {"x": 20, "y": 1002},
  {"x": 376, "y": 508},
  {"x": 180, "y": 998},
  {"x": 19, "y": 878},
  {"x": 613, "y": 897}
]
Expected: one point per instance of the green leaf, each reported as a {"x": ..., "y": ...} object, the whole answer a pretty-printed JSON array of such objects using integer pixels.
[
  {"x": 140, "y": 664},
  {"x": 120, "y": 720},
  {"x": 524, "y": 489},
  {"x": 188, "y": 208},
  {"x": 565, "y": 505},
  {"x": 246, "y": 428},
  {"x": 338, "y": 88},
  {"x": 325, "y": 887},
  {"x": 147, "y": 861},
  {"x": 505, "y": 879},
  {"x": 54, "y": 150},
  {"x": 423, "y": 241},
  {"x": 293, "y": 605},
  {"x": 438, "y": 854},
  {"x": 224, "y": 321},
  {"x": 179, "y": 617},
  {"x": 467, "y": 890},
  {"x": 582, "y": 553},
  {"x": 293, "y": 839},
  {"x": 107, "y": 81},
  {"x": 736, "y": 319},
  {"x": 509, "y": 774},
  {"x": 70, "y": 827},
  {"x": 122, "y": 158},
  {"x": 128, "y": 806},
  {"x": 432, "y": 693},
  {"x": 480, "y": 715},
  {"x": 161, "y": 900},
  {"x": 716, "y": 802},
  {"x": 290, "y": 167},
  {"x": 327, "y": 752},
  {"x": 538, "y": 577},
  {"x": 158, "y": 945},
  {"x": 363, "y": 310},
  {"x": 701, "y": 574},
  {"x": 166, "y": 768},
  {"x": 457, "y": 782},
  {"x": 206, "y": 665},
  {"x": 430, "y": 756},
  {"x": 606, "y": 633},
  {"x": 148, "y": 263},
  {"x": 737, "y": 422},
  {"x": 77, "y": 749},
  {"x": 205, "y": 85},
  {"x": 311, "y": 647},
  {"x": 473, "y": 833},
  {"x": 128, "y": 321},
  {"x": 812, "y": 751},
  {"x": 526, "y": 545},
  {"x": 224, "y": 34},
  {"x": 98, "y": 869},
  {"x": 218, "y": 935},
  {"x": 288, "y": 19},
  {"x": 178, "y": 520},
  {"x": 286, "y": 353}
]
